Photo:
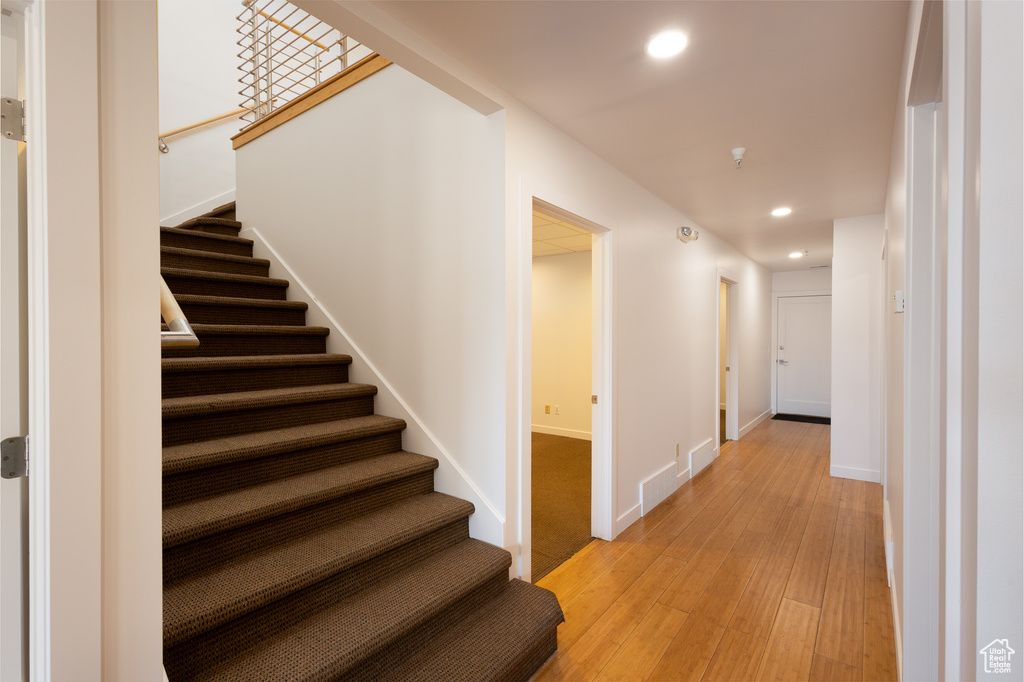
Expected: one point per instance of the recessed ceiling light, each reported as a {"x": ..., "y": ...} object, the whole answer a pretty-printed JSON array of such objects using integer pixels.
[
  {"x": 781, "y": 211},
  {"x": 797, "y": 254},
  {"x": 666, "y": 44}
]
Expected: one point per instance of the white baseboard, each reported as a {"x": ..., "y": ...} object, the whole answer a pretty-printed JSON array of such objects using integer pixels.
[
  {"x": 555, "y": 431},
  {"x": 856, "y": 474},
  {"x": 754, "y": 422},
  {"x": 487, "y": 523},
  {"x": 682, "y": 477},
  {"x": 626, "y": 520},
  {"x": 198, "y": 210},
  {"x": 897, "y": 634},
  {"x": 890, "y": 545}
]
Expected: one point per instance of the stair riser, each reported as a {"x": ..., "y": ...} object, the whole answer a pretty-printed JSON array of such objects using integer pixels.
[
  {"x": 203, "y": 653},
  {"x": 180, "y": 384},
  {"x": 208, "y": 313},
  {"x": 192, "y": 428},
  {"x": 203, "y": 287},
  {"x": 215, "y": 550},
  {"x": 532, "y": 659},
  {"x": 212, "y": 345},
  {"x": 375, "y": 666},
  {"x": 194, "y": 485},
  {"x": 204, "y": 264},
  {"x": 199, "y": 243}
]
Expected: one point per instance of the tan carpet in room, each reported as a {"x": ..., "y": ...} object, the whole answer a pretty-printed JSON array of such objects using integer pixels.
[{"x": 561, "y": 500}]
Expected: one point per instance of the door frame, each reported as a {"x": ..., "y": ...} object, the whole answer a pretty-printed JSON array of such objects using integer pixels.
[
  {"x": 602, "y": 366},
  {"x": 732, "y": 397}
]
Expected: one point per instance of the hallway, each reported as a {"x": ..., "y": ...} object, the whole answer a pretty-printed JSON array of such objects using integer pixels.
[{"x": 762, "y": 567}]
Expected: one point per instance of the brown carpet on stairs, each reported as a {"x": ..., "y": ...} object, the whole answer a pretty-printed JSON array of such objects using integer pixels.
[
  {"x": 560, "y": 498},
  {"x": 301, "y": 543}
]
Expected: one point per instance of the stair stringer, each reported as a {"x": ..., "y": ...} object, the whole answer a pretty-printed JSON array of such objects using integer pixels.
[{"x": 486, "y": 523}]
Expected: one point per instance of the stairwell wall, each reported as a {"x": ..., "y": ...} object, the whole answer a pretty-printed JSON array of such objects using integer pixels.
[{"x": 386, "y": 202}]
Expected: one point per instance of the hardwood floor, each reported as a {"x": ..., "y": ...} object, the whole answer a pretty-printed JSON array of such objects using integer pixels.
[{"x": 763, "y": 567}]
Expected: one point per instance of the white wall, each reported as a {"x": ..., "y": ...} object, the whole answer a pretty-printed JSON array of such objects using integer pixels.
[
  {"x": 562, "y": 344},
  {"x": 386, "y": 202},
  {"x": 198, "y": 79},
  {"x": 857, "y": 310},
  {"x": 665, "y": 305}
]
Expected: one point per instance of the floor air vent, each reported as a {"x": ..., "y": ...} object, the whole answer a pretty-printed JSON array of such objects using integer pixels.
[
  {"x": 701, "y": 456},
  {"x": 656, "y": 488}
]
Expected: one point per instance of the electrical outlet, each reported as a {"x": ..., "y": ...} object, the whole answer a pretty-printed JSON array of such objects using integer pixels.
[
  {"x": 556, "y": 409},
  {"x": 547, "y": 409},
  {"x": 677, "y": 450}
]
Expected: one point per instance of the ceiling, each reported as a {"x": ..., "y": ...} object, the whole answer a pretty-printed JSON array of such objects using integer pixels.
[
  {"x": 553, "y": 236},
  {"x": 809, "y": 88}
]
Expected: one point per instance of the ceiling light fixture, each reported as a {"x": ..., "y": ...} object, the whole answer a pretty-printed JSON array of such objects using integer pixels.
[
  {"x": 666, "y": 44},
  {"x": 781, "y": 211},
  {"x": 798, "y": 254},
  {"x": 686, "y": 234}
]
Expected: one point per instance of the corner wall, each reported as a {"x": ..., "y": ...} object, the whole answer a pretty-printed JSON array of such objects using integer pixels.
[
  {"x": 198, "y": 79},
  {"x": 857, "y": 310}
]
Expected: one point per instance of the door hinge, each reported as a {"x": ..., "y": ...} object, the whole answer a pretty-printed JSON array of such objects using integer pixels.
[
  {"x": 14, "y": 457},
  {"x": 12, "y": 118},
  {"x": 593, "y": 399}
]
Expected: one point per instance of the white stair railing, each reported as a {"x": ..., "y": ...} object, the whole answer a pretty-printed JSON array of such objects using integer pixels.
[{"x": 286, "y": 52}]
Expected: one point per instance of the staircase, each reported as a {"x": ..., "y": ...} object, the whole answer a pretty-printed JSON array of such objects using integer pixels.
[{"x": 300, "y": 541}]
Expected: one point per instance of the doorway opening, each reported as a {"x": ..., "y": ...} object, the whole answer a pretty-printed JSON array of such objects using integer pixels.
[
  {"x": 566, "y": 473},
  {"x": 726, "y": 384}
]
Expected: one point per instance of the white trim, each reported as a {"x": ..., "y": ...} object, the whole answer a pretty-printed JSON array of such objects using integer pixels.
[
  {"x": 198, "y": 210},
  {"x": 39, "y": 349},
  {"x": 556, "y": 431},
  {"x": 897, "y": 634},
  {"x": 603, "y": 457},
  {"x": 755, "y": 421},
  {"x": 628, "y": 519},
  {"x": 487, "y": 523},
  {"x": 684, "y": 476},
  {"x": 732, "y": 402},
  {"x": 855, "y": 474}
]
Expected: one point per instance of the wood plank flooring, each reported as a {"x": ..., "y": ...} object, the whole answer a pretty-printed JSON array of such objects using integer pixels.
[{"x": 763, "y": 567}]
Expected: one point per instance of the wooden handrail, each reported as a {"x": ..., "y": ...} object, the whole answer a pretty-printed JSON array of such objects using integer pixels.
[
  {"x": 287, "y": 27},
  {"x": 180, "y": 331},
  {"x": 205, "y": 122}
]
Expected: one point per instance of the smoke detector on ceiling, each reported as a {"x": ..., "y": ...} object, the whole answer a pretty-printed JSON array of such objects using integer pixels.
[
  {"x": 686, "y": 234},
  {"x": 737, "y": 155}
]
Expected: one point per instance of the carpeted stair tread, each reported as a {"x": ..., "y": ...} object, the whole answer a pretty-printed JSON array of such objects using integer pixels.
[
  {"x": 212, "y": 224},
  {"x": 193, "y": 520},
  {"x": 222, "y": 211},
  {"x": 212, "y": 261},
  {"x": 331, "y": 643},
  {"x": 207, "y": 599},
  {"x": 216, "y": 452},
  {"x": 185, "y": 273},
  {"x": 258, "y": 329},
  {"x": 247, "y": 400},
  {"x": 205, "y": 241},
  {"x": 496, "y": 642},
  {"x": 252, "y": 362},
  {"x": 197, "y": 299}
]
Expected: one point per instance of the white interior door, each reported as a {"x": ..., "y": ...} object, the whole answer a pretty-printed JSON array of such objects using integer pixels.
[
  {"x": 805, "y": 356},
  {"x": 13, "y": 365}
]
